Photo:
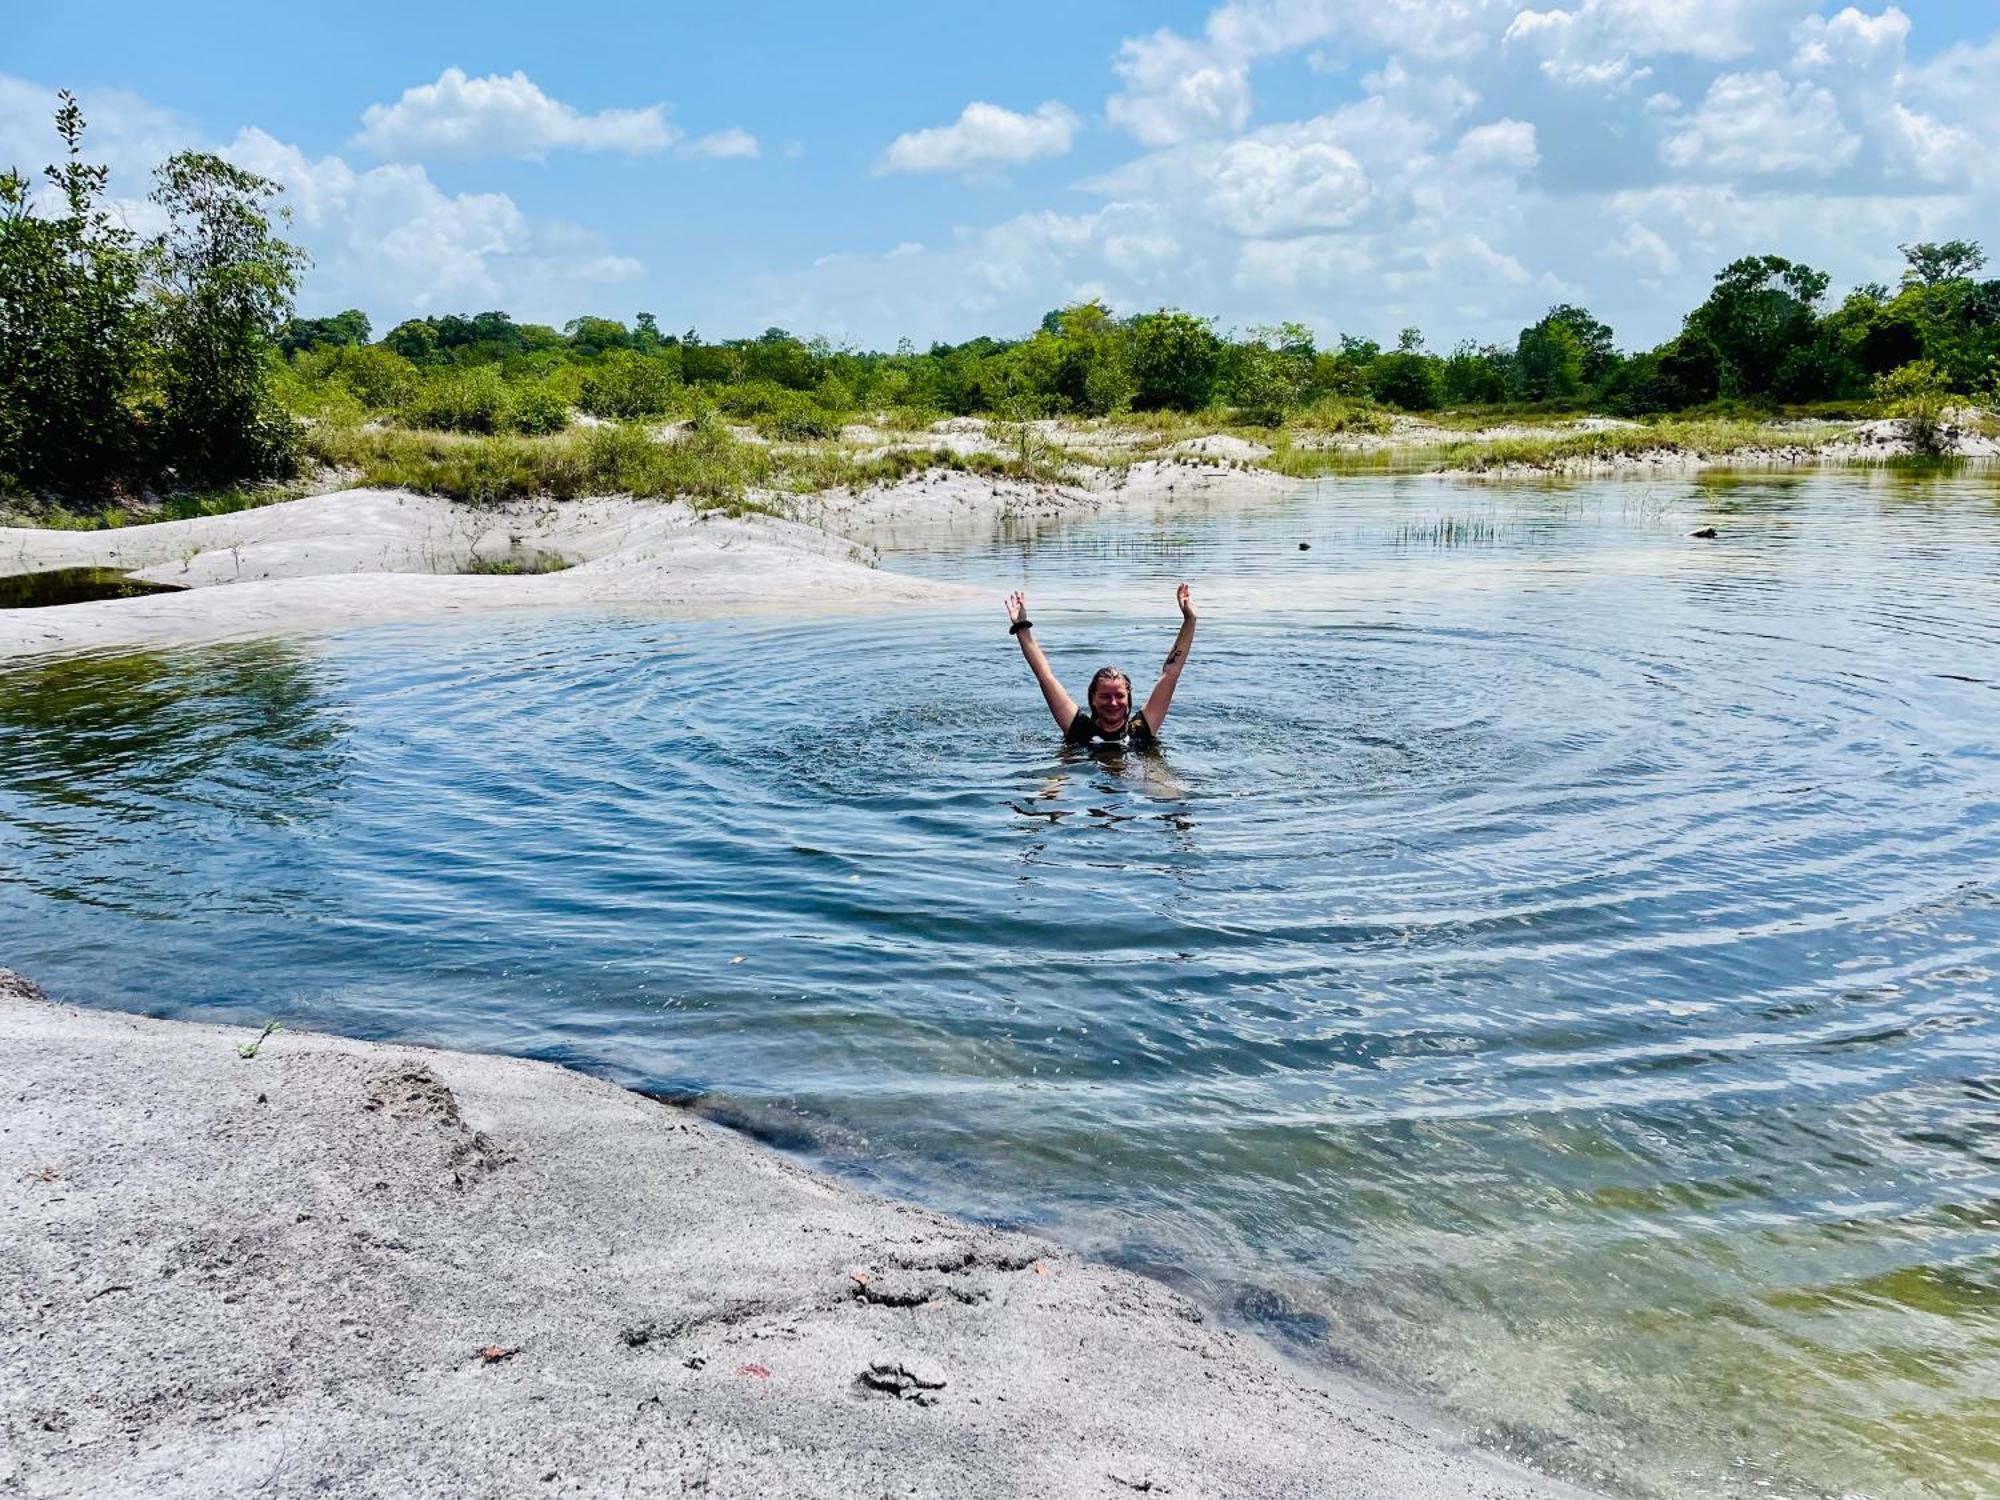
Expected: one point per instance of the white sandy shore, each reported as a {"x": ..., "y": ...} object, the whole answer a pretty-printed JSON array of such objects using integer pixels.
[
  {"x": 362, "y": 556},
  {"x": 334, "y": 561},
  {"x": 274, "y": 1276}
]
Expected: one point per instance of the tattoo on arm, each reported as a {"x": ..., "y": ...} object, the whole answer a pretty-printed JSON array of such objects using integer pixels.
[{"x": 1172, "y": 657}]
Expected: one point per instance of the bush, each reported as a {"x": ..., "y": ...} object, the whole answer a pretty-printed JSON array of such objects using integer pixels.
[
  {"x": 448, "y": 400},
  {"x": 625, "y": 385},
  {"x": 1407, "y": 379},
  {"x": 1916, "y": 395},
  {"x": 537, "y": 408},
  {"x": 800, "y": 420}
]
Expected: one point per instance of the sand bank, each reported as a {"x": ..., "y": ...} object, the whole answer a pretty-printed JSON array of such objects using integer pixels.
[
  {"x": 347, "y": 1268},
  {"x": 360, "y": 556},
  {"x": 363, "y": 556}
]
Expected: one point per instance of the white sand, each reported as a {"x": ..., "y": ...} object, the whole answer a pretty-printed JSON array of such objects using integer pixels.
[
  {"x": 273, "y": 1277},
  {"x": 333, "y": 561}
]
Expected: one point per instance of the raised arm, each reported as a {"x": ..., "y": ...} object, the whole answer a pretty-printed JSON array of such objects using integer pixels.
[
  {"x": 1060, "y": 703},
  {"x": 1161, "y": 698}
]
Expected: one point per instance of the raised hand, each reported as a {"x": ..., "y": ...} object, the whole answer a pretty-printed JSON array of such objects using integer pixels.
[
  {"x": 1181, "y": 598},
  {"x": 1017, "y": 607}
]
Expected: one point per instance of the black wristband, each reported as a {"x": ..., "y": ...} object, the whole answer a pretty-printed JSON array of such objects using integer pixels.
[{"x": 1020, "y": 625}]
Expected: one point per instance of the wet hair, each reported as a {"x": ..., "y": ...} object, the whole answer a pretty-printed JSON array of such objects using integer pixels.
[{"x": 1105, "y": 674}]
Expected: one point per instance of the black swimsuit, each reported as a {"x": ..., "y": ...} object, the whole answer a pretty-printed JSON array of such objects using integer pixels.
[{"x": 1083, "y": 729}]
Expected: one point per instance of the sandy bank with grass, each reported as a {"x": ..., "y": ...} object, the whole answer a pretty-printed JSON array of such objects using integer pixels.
[
  {"x": 348, "y": 1268},
  {"x": 361, "y": 556}
]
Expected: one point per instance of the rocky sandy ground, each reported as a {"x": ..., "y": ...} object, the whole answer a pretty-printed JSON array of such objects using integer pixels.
[{"x": 340, "y": 1268}]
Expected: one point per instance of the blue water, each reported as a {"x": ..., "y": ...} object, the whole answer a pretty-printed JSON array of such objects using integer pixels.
[{"x": 1549, "y": 967}]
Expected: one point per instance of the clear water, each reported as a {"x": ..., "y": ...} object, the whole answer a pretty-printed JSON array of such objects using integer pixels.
[{"x": 1550, "y": 966}]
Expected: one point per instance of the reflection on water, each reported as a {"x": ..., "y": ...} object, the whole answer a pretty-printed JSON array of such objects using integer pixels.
[{"x": 1550, "y": 969}]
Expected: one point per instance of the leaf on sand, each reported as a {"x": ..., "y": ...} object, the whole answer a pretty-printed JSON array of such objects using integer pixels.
[
  {"x": 492, "y": 1354},
  {"x": 757, "y": 1370}
]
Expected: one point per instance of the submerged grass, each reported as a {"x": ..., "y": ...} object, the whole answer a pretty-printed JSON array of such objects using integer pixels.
[{"x": 1448, "y": 531}]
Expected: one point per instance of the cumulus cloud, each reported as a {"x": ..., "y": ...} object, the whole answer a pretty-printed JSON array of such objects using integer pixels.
[
  {"x": 505, "y": 116},
  {"x": 383, "y": 237},
  {"x": 1176, "y": 89},
  {"x": 984, "y": 135},
  {"x": 389, "y": 236},
  {"x": 1759, "y": 124},
  {"x": 724, "y": 145}
]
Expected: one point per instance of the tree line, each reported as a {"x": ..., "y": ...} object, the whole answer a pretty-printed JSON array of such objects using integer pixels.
[
  {"x": 1765, "y": 336},
  {"x": 175, "y": 360}
]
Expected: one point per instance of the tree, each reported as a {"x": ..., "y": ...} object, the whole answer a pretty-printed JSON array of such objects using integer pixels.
[
  {"x": 225, "y": 284},
  {"x": 300, "y": 334},
  {"x": 415, "y": 339},
  {"x": 1475, "y": 376},
  {"x": 1762, "y": 308},
  {"x": 1562, "y": 356},
  {"x": 1933, "y": 264},
  {"x": 1266, "y": 375},
  {"x": 1407, "y": 379},
  {"x": 73, "y": 329},
  {"x": 590, "y": 336},
  {"x": 1173, "y": 357}
]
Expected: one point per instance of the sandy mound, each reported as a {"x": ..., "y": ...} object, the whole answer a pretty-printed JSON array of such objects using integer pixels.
[{"x": 1223, "y": 447}]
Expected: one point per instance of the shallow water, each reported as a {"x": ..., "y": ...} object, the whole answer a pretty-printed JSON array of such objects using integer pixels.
[
  {"x": 55, "y": 586},
  {"x": 1549, "y": 967}
]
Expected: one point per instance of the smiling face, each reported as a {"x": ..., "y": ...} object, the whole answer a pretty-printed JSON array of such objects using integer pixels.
[{"x": 1110, "y": 698}]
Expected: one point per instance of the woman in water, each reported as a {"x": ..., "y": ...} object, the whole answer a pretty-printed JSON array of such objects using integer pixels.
[{"x": 1110, "y": 718}]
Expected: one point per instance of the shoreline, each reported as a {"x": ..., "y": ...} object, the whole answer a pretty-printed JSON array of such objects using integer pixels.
[
  {"x": 364, "y": 556},
  {"x": 375, "y": 1267}
]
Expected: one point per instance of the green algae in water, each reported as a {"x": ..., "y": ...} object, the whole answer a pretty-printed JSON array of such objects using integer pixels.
[{"x": 74, "y": 586}]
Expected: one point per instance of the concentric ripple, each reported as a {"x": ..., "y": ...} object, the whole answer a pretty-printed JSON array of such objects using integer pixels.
[{"x": 1554, "y": 975}]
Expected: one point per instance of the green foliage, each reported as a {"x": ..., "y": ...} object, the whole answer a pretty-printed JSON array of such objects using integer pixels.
[
  {"x": 1918, "y": 395},
  {"x": 1174, "y": 358},
  {"x": 1562, "y": 356},
  {"x": 300, "y": 334},
  {"x": 1762, "y": 312},
  {"x": 625, "y": 385},
  {"x": 124, "y": 362},
  {"x": 74, "y": 330},
  {"x": 225, "y": 284},
  {"x": 1408, "y": 380}
]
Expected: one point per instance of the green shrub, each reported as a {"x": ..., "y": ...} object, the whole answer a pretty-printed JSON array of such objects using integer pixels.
[
  {"x": 625, "y": 385},
  {"x": 1917, "y": 397},
  {"x": 458, "y": 400},
  {"x": 537, "y": 408}
]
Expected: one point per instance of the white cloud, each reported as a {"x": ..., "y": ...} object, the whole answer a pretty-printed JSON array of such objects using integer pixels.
[
  {"x": 388, "y": 236},
  {"x": 1853, "y": 41},
  {"x": 984, "y": 135},
  {"x": 505, "y": 116},
  {"x": 1176, "y": 90},
  {"x": 1281, "y": 182},
  {"x": 1758, "y": 124},
  {"x": 1504, "y": 145},
  {"x": 724, "y": 145},
  {"x": 1606, "y": 32}
]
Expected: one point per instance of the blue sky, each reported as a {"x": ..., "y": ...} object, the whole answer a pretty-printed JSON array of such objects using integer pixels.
[{"x": 888, "y": 170}]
